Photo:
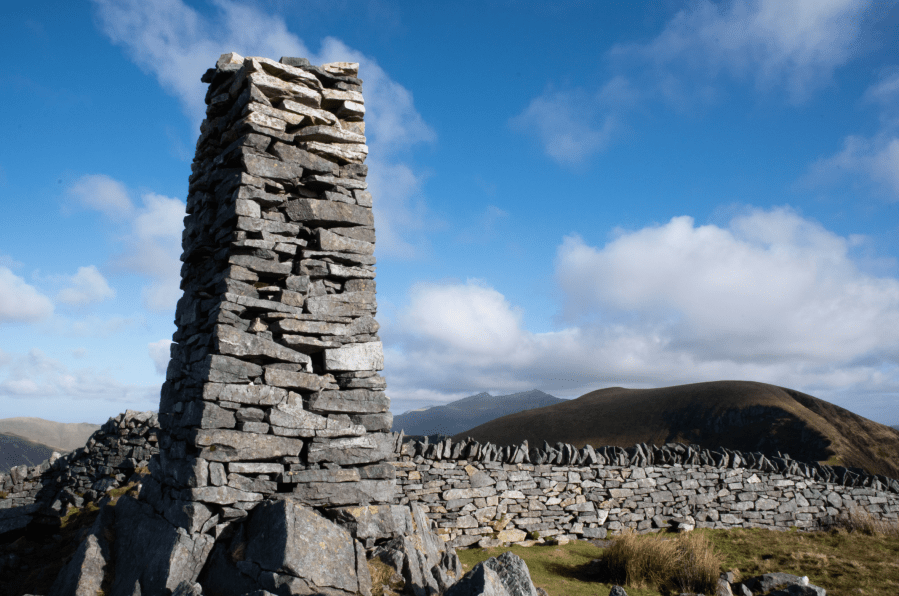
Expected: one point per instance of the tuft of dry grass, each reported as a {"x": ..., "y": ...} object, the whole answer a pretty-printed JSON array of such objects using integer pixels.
[
  {"x": 860, "y": 520},
  {"x": 385, "y": 581},
  {"x": 687, "y": 563}
]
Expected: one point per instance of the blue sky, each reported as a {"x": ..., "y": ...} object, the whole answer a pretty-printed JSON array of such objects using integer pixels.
[{"x": 567, "y": 197}]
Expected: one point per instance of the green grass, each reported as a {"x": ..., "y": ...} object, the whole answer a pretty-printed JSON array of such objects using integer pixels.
[
  {"x": 560, "y": 570},
  {"x": 851, "y": 559}
]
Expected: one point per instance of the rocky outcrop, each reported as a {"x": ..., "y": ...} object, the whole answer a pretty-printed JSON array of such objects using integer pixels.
[
  {"x": 109, "y": 459},
  {"x": 505, "y": 575}
]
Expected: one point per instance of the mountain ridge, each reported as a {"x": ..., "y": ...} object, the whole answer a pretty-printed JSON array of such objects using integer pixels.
[
  {"x": 742, "y": 415},
  {"x": 469, "y": 412}
]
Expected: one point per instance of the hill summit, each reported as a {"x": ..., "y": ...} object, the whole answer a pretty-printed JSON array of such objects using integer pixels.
[
  {"x": 739, "y": 415},
  {"x": 469, "y": 412}
]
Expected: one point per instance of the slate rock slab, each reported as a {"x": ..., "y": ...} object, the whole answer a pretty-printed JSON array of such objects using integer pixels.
[
  {"x": 428, "y": 565},
  {"x": 300, "y": 552},
  {"x": 151, "y": 553},
  {"x": 505, "y": 575},
  {"x": 83, "y": 574}
]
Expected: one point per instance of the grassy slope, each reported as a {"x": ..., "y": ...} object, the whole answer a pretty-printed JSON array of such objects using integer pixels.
[
  {"x": 773, "y": 419},
  {"x": 62, "y": 436},
  {"x": 845, "y": 564},
  {"x": 16, "y": 450}
]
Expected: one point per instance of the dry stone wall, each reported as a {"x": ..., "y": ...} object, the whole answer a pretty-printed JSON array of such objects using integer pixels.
[
  {"x": 487, "y": 494},
  {"x": 111, "y": 457},
  {"x": 273, "y": 386}
]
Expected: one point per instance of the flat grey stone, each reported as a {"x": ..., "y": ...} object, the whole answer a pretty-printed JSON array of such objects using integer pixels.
[
  {"x": 234, "y": 342},
  {"x": 374, "y": 521},
  {"x": 152, "y": 554},
  {"x": 261, "y": 265},
  {"x": 345, "y": 304},
  {"x": 225, "y": 369},
  {"x": 262, "y": 395},
  {"x": 342, "y": 153},
  {"x": 313, "y": 212},
  {"x": 292, "y": 380},
  {"x": 232, "y": 445},
  {"x": 329, "y": 134},
  {"x": 270, "y": 168},
  {"x": 506, "y": 575},
  {"x": 273, "y": 86},
  {"x": 346, "y": 493},
  {"x": 83, "y": 574},
  {"x": 361, "y": 356},
  {"x": 347, "y": 272},
  {"x": 353, "y": 401},
  {"x": 289, "y": 539},
  {"x": 328, "y": 240},
  {"x": 308, "y": 161},
  {"x": 352, "y": 451},
  {"x": 205, "y": 414},
  {"x": 223, "y": 495},
  {"x": 311, "y": 425},
  {"x": 374, "y": 422},
  {"x": 315, "y": 115}
]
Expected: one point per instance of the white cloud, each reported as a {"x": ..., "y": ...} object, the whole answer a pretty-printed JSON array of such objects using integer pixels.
[
  {"x": 797, "y": 44},
  {"x": 873, "y": 159},
  {"x": 153, "y": 249},
  {"x": 100, "y": 192},
  {"x": 177, "y": 44},
  {"x": 88, "y": 286},
  {"x": 160, "y": 354},
  {"x": 151, "y": 246},
  {"x": 876, "y": 159},
  {"x": 772, "y": 285},
  {"x": 558, "y": 120},
  {"x": 36, "y": 376},
  {"x": 771, "y": 297},
  {"x": 19, "y": 301}
]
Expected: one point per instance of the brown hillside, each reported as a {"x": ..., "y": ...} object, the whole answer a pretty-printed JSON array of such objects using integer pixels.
[
  {"x": 741, "y": 415},
  {"x": 60, "y": 436}
]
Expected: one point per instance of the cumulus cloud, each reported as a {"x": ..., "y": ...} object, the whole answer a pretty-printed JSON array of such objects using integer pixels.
[
  {"x": 150, "y": 236},
  {"x": 795, "y": 45},
  {"x": 876, "y": 159},
  {"x": 770, "y": 297},
  {"x": 87, "y": 287},
  {"x": 100, "y": 192},
  {"x": 160, "y": 354},
  {"x": 153, "y": 249},
  {"x": 557, "y": 119},
  {"x": 19, "y": 301},
  {"x": 873, "y": 159},
  {"x": 37, "y": 376},
  {"x": 177, "y": 44},
  {"x": 791, "y": 43}
]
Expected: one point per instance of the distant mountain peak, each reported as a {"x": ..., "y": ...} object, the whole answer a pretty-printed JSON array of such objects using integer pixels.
[{"x": 469, "y": 412}]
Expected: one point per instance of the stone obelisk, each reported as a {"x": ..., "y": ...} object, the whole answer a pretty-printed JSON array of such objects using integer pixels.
[{"x": 272, "y": 385}]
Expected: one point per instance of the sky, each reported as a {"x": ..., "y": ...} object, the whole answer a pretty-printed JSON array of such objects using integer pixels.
[{"x": 567, "y": 196}]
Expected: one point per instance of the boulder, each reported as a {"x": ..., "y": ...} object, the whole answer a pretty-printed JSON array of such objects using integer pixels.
[
  {"x": 152, "y": 554},
  {"x": 783, "y": 584},
  {"x": 287, "y": 549},
  {"x": 505, "y": 575},
  {"x": 83, "y": 574},
  {"x": 427, "y": 564}
]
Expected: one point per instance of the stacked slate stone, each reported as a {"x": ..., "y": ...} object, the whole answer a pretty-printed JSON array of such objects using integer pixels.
[
  {"x": 490, "y": 502},
  {"x": 109, "y": 459},
  {"x": 642, "y": 455},
  {"x": 272, "y": 386}
]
